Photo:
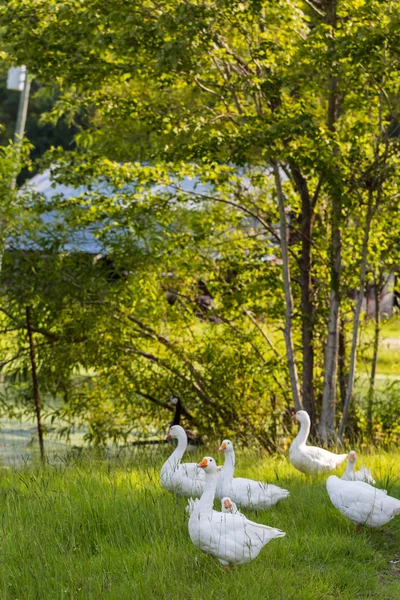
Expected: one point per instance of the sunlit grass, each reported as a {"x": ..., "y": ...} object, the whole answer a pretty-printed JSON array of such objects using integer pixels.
[
  {"x": 388, "y": 353},
  {"x": 95, "y": 529}
]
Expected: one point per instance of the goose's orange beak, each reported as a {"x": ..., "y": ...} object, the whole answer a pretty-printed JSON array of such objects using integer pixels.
[
  {"x": 352, "y": 457},
  {"x": 227, "y": 504},
  {"x": 222, "y": 446},
  {"x": 169, "y": 436},
  {"x": 293, "y": 417},
  {"x": 203, "y": 464}
]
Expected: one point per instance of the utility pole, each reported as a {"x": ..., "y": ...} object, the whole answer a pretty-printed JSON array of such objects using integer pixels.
[
  {"x": 22, "y": 108},
  {"x": 18, "y": 80}
]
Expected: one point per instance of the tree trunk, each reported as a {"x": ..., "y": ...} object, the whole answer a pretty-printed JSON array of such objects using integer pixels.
[
  {"x": 357, "y": 313},
  {"x": 371, "y": 391},
  {"x": 307, "y": 310},
  {"x": 307, "y": 306},
  {"x": 326, "y": 427},
  {"x": 35, "y": 381},
  {"x": 294, "y": 381},
  {"x": 342, "y": 362}
]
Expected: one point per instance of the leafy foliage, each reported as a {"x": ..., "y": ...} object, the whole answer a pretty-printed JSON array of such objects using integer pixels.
[{"x": 188, "y": 292}]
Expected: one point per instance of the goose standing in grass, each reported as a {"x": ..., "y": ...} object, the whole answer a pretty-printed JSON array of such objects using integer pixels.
[
  {"x": 311, "y": 459},
  {"x": 363, "y": 474},
  {"x": 245, "y": 492},
  {"x": 362, "y": 503},
  {"x": 181, "y": 479},
  {"x": 231, "y": 538}
]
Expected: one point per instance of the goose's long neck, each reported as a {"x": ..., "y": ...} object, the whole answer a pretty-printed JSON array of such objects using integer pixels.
[
  {"x": 229, "y": 467},
  {"x": 177, "y": 416},
  {"x": 206, "y": 501},
  {"x": 179, "y": 451},
  {"x": 350, "y": 468},
  {"x": 303, "y": 434}
]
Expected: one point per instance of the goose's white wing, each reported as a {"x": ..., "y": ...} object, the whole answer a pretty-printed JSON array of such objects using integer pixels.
[
  {"x": 325, "y": 459},
  {"x": 178, "y": 480},
  {"x": 362, "y": 503},
  {"x": 191, "y": 505},
  {"x": 256, "y": 494},
  {"x": 363, "y": 474},
  {"x": 313, "y": 460}
]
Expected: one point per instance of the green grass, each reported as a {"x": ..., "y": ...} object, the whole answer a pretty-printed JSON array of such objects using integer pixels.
[
  {"x": 92, "y": 529},
  {"x": 388, "y": 354}
]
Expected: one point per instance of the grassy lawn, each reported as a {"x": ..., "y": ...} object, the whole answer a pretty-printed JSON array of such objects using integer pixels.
[
  {"x": 389, "y": 350},
  {"x": 92, "y": 529}
]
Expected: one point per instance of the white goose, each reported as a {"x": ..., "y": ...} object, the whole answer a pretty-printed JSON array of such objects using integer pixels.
[
  {"x": 245, "y": 492},
  {"x": 362, "y": 503},
  {"x": 227, "y": 506},
  {"x": 311, "y": 459},
  {"x": 231, "y": 538},
  {"x": 363, "y": 474},
  {"x": 181, "y": 479}
]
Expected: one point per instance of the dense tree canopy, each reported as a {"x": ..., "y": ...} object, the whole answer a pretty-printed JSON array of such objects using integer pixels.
[{"x": 241, "y": 99}]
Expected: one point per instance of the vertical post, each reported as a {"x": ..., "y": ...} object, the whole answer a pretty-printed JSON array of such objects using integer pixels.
[
  {"x": 18, "y": 136},
  {"x": 34, "y": 381},
  {"x": 21, "y": 119},
  {"x": 22, "y": 109}
]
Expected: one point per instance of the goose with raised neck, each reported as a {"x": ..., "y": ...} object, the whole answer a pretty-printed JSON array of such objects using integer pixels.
[
  {"x": 363, "y": 474},
  {"x": 182, "y": 479},
  {"x": 193, "y": 438},
  {"x": 228, "y": 536},
  {"x": 245, "y": 492},
  {"x": 311, "y": 459},
  {"x": 224, "y": 486},
  {"x": 177, "y": 432},
  {"x": 304, "y": 431}
]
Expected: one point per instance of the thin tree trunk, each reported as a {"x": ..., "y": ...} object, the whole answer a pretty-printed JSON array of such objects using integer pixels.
[
  {"x": 342, "y": 362},
  {"x": 307, "y": 307},
  {"x": 371, "y": 391},
  {"x": 307, "y": 310},
  {"x": 273, "y": 426},
  {"x": 327, "y": 422},
  {"x": 294, "y": 381},
  {"x": 35, "y": 382},
  {"x": 326, "y": 426},
  {"x": 357, "y": 313}
]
